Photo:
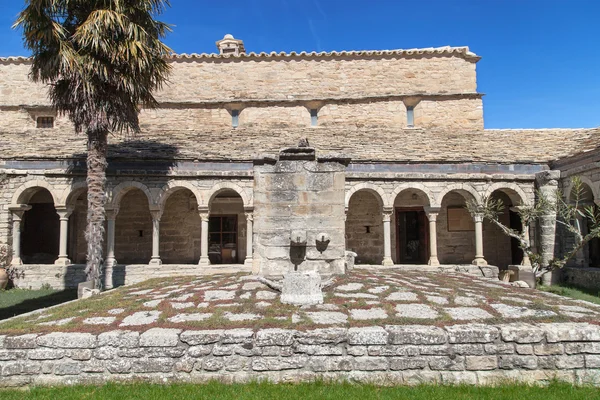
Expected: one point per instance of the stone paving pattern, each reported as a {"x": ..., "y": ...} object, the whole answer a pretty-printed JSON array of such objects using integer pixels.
[{"x": 364, "y": 297}]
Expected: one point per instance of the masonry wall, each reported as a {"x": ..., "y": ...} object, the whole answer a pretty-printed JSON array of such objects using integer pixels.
[
  {"x": 408, "y": 354},
  {"x": 456, "y": 247},
  {"x": 180, "y": 229},
  {"x": 364, "y": 211},
  {"x": 133, "y": 229}
]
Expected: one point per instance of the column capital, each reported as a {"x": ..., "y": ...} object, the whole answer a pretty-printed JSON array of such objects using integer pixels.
[
  {"x": 477, "y": 217},
  {"x": 64, "y": 212},
  {"x": 249, "y": 216},
  {"x": 432, "y": 212},
  {"x": 204, "y": 212},
  {"x": 156, "y": 213},
  {"x": 387, "y": 213},
  {"x": 18, "y": 210},
  {"x": 111, "y": 213}
]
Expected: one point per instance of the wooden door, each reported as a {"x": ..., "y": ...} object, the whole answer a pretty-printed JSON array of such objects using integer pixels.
[{"x": 412, "y": 232}]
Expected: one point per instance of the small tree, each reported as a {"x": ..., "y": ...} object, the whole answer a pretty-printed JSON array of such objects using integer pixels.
[{"x": 569, "y": 215}]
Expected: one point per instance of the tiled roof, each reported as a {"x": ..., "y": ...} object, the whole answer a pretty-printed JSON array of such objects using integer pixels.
[
  {"x": 445, "y": 50},
  {"x": 361, "y": 144}
]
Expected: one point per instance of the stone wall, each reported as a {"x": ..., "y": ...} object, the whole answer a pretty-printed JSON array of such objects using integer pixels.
[
  {"x": 409, "y": 354},
  {"x": 365, "y": 211},
  {"x": 456, "y": 247},
  {"x": 586, "y": 278},
  {"x": 133, "y": 229}
]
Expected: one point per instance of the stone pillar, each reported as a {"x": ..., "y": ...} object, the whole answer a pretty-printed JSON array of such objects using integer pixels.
[
  {"x": 17, "y": 215},
  {"x": 249, "y": 248},
  {"x": 204, "y": 215},
  {"x": 547, "y": 182},
  {"x": 111, "y": 262},
  {"x": 479, "y": 259},
  {"x": 156, "y": 214},
  {"x": 432, "y": 214},
  {"x": 63, "y": 214},
  {"x": 526, "y": 261},
  {"x": 580, "y": 258},
  {"x": 387, "y": 238}
]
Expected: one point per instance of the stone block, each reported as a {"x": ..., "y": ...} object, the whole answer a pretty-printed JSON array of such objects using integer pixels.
[
  {"x": 79, "y": 354},
  {"x": 222, "y": 350},
  {"x": 469, "y": 349},
  {"x": 27, "y": 341},
  {"x": 212, "y": 364},
  {"x": 153, "y": 365},
  {"x": 472, "y": 333},
  {"x": 67, "y": 340},
  {"x": 447, "y": 363},
  {"x": 592, "y": 361},
  {"x": 119, "y": 366},
  {"x": 583, "y": 347},
  {"x": 274, "y": 337},
  {"x": 374, "y": 335},
  {"x": 371, "y": 363},
  {"x": 119, "y": 338},
  {"x": 279, "y": 363},
  {"x": 45, "y": 354},
  {"x": 521, "y": 333},
  {"x": 160, "y": 337},
  {"x": 194, "y": 338},
  {"x": 319, "y": 350},
  {"x": 571, "y": 332},
  {"x": 200, "y": 350},
  {"x": 517, "y": 362},
  {"x": 237, "y": 335},
  {"x": 331, "y": 364},
  {"x": 322, "y": 336},
  {"x": 67, "y": 368},
  {"x": 416, "y": 334},
  {"x": 404, "y": 363},
  {"x": 570, "y": 361},
  {"x": 481, "y": 363},
  {"x": 302, "y": 288},
  {"x": 548, "y": 349},
  {"x": 524, "y": 349}
]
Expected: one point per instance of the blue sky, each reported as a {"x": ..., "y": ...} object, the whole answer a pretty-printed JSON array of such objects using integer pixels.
[{"x": 541, "y": 58}]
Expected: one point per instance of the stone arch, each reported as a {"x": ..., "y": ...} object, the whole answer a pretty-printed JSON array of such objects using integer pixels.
[
  {"x": 462, "y": 188},
  {"x": 71, "y": 193},
  {"x": 25, "y": 191},
  {"x": 375, "y": 190},
  {"x": 117, "y": 193},
  {"x": 173, "y": 186},
  {"x": 586, "y": 181},
  {"x": 411, "y": 186},
  {"x": 219, "y": 187},
  {"x": 512, "y": 190}
]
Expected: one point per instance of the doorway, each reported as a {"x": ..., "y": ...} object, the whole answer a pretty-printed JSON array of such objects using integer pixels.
[
  {"x": 222, "y": 239},
  {"x": 412, "y": 233}
]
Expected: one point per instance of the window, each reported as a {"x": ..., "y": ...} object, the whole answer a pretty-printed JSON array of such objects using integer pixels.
[
  {"x": 410, "y": 116},
  {"x": 314, "y": 118},
  {"x": 235, "y": 118},
  {"x": 45, "y": 122}
]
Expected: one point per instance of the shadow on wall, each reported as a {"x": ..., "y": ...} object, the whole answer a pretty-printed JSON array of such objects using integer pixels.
[{"x": 136, "y": 156}]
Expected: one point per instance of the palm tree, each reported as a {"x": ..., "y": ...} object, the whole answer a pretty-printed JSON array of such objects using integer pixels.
[{"x": 102, "y": 60}]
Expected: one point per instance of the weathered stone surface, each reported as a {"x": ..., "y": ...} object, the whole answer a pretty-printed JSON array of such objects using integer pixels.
[
  {"x": 279, "y": 363},
  {"x": 67, "y": 368},
  {"x": 416, "y": 311},
  {"x": 274, "y": 337},
  {"x": 456, "y": 363},
  {"x": 236, "y": 335},
  {"x": 584, "y": 347},
  {"x": 371, "y": 363},
  {"x": 416, "y": 334},
  {"x": 367, "y": 336},
  {"x": 327, "y": 317},
  {"x": 201, "y": 337},
  {"x": 27, "y": 341},
  {"x": 571, "y": 332},
  {"x": 67, "y": 340},
  {"x": 153, "y": 365},
  {"x": 322, "y": 336},
  {"x": 302, "y": 288},
  {"x": 368, "y": 314},
  {"x": 481, "y": 363},
  {"x": 119, "y": 338},
  {"x": 141, "y": 318},
  {"x": 521, "y": 333},
  {"x": 468, "y": 313},
  {"x": 160, "y": 337},
  {"x": 517, "y": 362},
  {"x": 200, "y": 350},
  {"x": 403, "y": 363},
  {"x": 473, "y": 333},
  {"x": 45, "y": 354}
]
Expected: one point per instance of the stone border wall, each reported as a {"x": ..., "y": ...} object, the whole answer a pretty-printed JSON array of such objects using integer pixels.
[
  {"x": 411, "y": 354},
  {"x": 588, "y": 278}
]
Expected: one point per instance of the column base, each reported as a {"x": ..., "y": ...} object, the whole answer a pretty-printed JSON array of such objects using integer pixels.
[
  {"x": 16, "y": 261},
  {"x": 248, "y": 262},
  {"x": 433, "y": 261},
  {"x": 64, "y": 261},
  {"x": 479, "y": 262},
  {"x": 204, "y": 261},
  {"x": 387, "y": 262},
  {"x": 155, "y": 261}
]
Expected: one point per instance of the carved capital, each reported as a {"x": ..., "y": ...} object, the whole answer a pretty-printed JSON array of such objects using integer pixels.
[
  {"x": 432, "y": 213},
  {"x": 387, "y": 214},
  {"x": 64, "y": 212},
  {"x": 18, "y": 210},
  {"x": 547, "y": 178},
  {"x": 478, "y": 217},
  {"x": 111, "y": 213}
]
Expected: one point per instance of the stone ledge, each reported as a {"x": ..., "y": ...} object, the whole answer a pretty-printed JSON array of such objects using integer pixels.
[{"x": 472, "y": 354}]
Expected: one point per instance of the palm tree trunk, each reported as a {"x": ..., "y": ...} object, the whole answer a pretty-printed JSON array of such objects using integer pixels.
[{"x": 96, "y": 180}]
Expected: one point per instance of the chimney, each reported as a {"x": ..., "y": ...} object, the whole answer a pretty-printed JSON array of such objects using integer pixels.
[{"x": 229, "y": 45}]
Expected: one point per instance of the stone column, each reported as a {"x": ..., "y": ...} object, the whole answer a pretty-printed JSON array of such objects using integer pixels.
[
  {"x": 526, "y": 261},
  {"x": 580, "y": 258},
  {"x": 17, "y": 215},
  {"x": 204, "y": 215},
  {"x": 387, "y": 238},
  {"x": 547, "y": 182},
  {"x": 432, "y": 214},
  {"x": 63, "y": 214},
  {"x": 249, "y": 248},
  {"x": 111, "y": 262},
  {"x": 479, "y": 259},
  {"x": 156, "y": 214}
]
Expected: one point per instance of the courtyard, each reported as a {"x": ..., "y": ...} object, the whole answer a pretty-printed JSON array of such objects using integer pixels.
[{"x": 365, "y": 297}]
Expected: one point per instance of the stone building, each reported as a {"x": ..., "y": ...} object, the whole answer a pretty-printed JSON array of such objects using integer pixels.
[{"x": 182, "y": 195}]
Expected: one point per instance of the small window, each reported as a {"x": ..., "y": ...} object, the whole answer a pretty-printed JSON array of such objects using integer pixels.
[
  {"x": 235, "y": 118},
  {"x": 314, "y": 117},
  {"x": 410, "y": 116},
  {"x": 45, "y": 122}
]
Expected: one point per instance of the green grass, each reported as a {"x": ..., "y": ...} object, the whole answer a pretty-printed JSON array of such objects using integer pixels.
[
  {"x": 18, "y": 301},
  {"x": 305, "y": 391},
  {"x": 575, "y": 293}
]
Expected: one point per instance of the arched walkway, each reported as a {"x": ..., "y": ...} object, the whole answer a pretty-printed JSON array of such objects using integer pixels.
[
  {"x": 180, "y": 228},
  {"x": 227, "y": 227},
  {"x": 456, "y": 227},
  {"x": 364, "y": 226},
  {"x": 40, "y": 227},
  {"x": 499, "y": 249},
  {"x": 589, "y": 255},
  {"x": 410, "y": 232},
  {"x": 133, "y": 227}
]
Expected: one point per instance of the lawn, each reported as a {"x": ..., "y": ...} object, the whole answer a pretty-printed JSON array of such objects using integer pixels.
[
  {"x": 19, "y": 301},
  {"x": 318, "y": 390},
  {"x": 574, "y": 293}
]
